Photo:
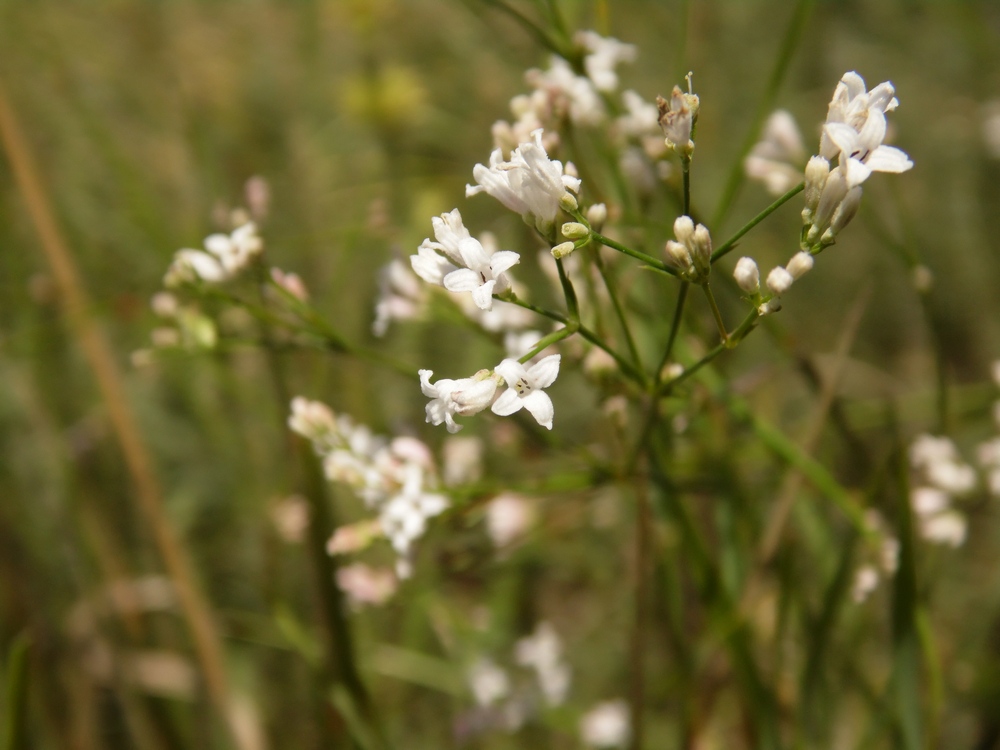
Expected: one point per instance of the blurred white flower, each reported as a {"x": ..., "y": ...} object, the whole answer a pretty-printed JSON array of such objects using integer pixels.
[
  {"x": 463, "y": 460},
  {"x": 604, "y": 54},
  {"x": 606, "y": 725},
  {"x": 508, "y": 518},
  {"x": 400, "y": 295},
  {"x": 567, "y": 94},
  {"x": 290, "y": 516},
  {"x": 488, "y": 682},
  {"x": 776, "y": 160},
  {"x": 542, "y": 651},
  {"x": 365, "y": 585}
]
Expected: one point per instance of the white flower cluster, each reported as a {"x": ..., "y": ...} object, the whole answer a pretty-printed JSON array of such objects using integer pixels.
[
  {"x": 396, "y": 478},
  {"x": 224, "y": 256},
  {"x": 691, "y": 254},
  {"x": 941, "y": 476},
  {"x": 467, "y": 396},
  {"x": 853, "y": 133},
  {"x": 561, "y": 93}
]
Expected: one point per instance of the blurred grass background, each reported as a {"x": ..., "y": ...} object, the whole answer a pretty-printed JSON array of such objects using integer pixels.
[{"x": 366, "y": 118}]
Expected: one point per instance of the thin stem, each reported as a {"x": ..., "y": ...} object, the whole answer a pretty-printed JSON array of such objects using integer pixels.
[
  {"x": 686, "y": 172},
  {"x": 572, "y": 304},
  {"x": 530, "y": 26},
  {"x": 619, "y": 311},
  {"x": 674, "y": 328},
  {"x": 765, "y": 104},
  {"x": 659, "y": 265},
  {"x": 732, "y": 341},
  {"x": 731, "y": 243},
  {"x": 716, "y": 313},
  {"x": 552, "y": 338}
]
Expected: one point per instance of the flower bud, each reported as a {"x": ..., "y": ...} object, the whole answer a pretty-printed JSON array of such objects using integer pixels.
[
  {"x": 568, "y": 202},
  {"x": 846, "y": 211},
  {"x": 574, "y": 230},
  {"x": 562, "y": 250},
  {"x": 684, "y": 229},
  {"x": 834, "y": 192},
  {"x": 779, "y": 280},
  {"x": 817, "y": 170},
  {"x": 800, "y": 265},
  {"x": 701, "y": 248},
  {"x": 679, "y": 257},
  {"x": 597, "y": 215},
  {"x": 771, "y": 306},
  {"x": 747, "y": 275}
]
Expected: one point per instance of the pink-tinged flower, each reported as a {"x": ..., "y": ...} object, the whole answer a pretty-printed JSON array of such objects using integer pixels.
[{"x": 524, "y": 388}]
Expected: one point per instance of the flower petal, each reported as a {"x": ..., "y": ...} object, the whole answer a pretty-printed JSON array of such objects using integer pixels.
[
  {"x": 502, "y": 260},
  {"x": 544, "y": 372},
  {"x": 889, "y": 159},
  {"x": 540, "y": 406},
  {"x": 483, "y": 295},
  {"x": 844, "y": 136},
  {"x": 473, "y": 254},
  {"x": 463, "y": 280},
  {"x": 511, "y": 371},
  {"x": 856, "y": 172},
  {"x": 508, "y": 403}
]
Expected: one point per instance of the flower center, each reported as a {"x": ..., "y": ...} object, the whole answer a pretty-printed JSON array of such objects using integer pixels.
[{"x": 522, "y": 386}]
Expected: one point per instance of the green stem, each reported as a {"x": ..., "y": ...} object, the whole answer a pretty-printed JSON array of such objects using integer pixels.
[
  {"x": 572, "y": 304},
  {"x": 659, "y": 265},
  {"x": 717, "y": 314},
  {"x": 619, "y": 311},
  {"x": 731, "y": 243},
  {"x": 732, "y": 341},
  {"x": 551, "y": 339},
  {"x": 686, "y": 173},
  {"x": 674, "y": 328},
  {"x": 530, "y": 26},
  {"x": 764, "y": 106}
]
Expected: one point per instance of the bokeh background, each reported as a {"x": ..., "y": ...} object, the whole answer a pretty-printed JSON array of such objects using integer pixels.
[{"x": 365, "y": 118}]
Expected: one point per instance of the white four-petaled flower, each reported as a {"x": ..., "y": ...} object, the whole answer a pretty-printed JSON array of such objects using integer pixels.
[
  {"x": 463, "y": 397},
  {"x": 524, "y": 388}
]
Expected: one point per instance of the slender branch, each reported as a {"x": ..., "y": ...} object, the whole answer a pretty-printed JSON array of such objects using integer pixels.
[
  {"x": 659, "y": 265},
  {"x": 674, "y": 328},
  {"x": 716, "y": 313},
  {"x": 727, "y": 246},
  {"x": 619, "y": 311},
  {"x": 552, "y": 338}
]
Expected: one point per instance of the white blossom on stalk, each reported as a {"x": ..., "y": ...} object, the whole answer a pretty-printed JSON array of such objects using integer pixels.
[
  {"x": 524, "y": 388},
  {"x": 431, "y": 265},
  {"x": 604, "y": 53},
  {"x": 530, "y": 183},
  {"x": 855, "y": 128},
  {"x": 488, "y": 682},
  {"x": 776, "y": 160},
  {"x": 463, "y": 397},
  {"x": 483, "y": 274},
  {"x": 606, "y": 725},
  {"x": 235, "y": 250}
]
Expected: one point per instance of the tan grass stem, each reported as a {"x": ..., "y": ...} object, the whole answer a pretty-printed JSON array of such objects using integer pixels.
[{"x": 99, "y": 357}]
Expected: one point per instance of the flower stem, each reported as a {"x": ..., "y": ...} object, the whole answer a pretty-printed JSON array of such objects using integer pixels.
[
  {"x": 619, "y": 311},
  {"x": 716, "y": 313},
  {"x": 674, "y": 328},
  {"x": 732, "y": 340},
  {"x": 686, "y": 173},
  {"x": 659, "y": 265},
  {"x": 551, "y": 339},
  {"x": 731, "y": 243}
]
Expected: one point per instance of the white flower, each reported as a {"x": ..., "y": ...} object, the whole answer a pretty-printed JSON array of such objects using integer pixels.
[
  {"x": 234, "y": 251},
  {"x": 777, "y": 158},
  {"x": 567, "y": 94},
  {"x": 488, "y": 682},
  {"x": 400, "y": 295},
  {"x": 430, "y": 265},
  {"x": 311, "y": 419},
  {"x": 463, "y": 397},
  {"x": 530, "y": 183},
  {"x": 779, "y": 280},
  {"x": 524, "y": 388},
  {"x": 542, "y": 651},
  {"x": 404, "y": 516},
  {"x": 865, "y": 581},
  {"x": 449, "y": 231},
  {"x": 191, "y": 265},
  {"x": 463, "y": 460},
  {"x": 483, "y": 274},
  {"x": 605, "y": 54},
  {"x": 948, "y": 528},
  {"x": 855, "y": 128},
  {"x": 606, "y": 725},
  {"x": 366, "y": 585},
  {"x": 508, "y": 518}
]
